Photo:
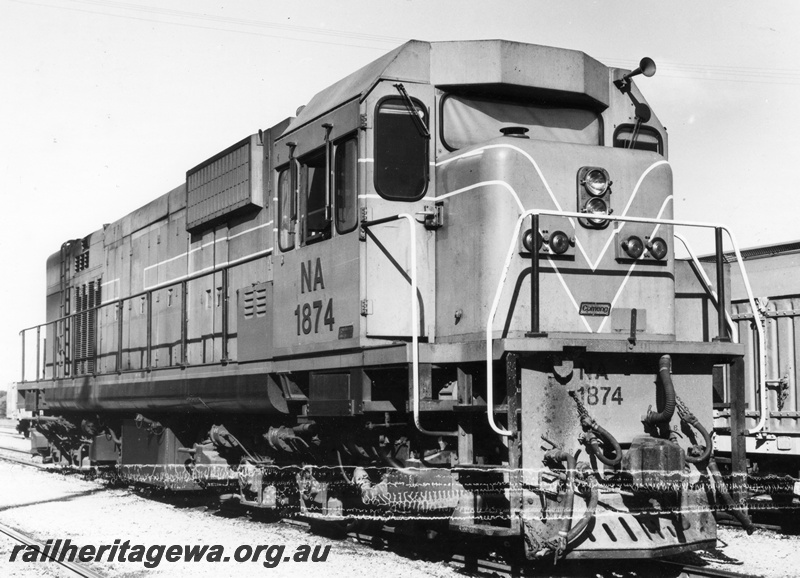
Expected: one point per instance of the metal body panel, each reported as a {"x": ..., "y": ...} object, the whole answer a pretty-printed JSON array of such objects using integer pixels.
[
  {"x": 314, "y": 297},
  {"x": 386, "y": 252},
  {"x": 146, "y": 457},
  {"x": 152, "y": 212},
  {"x": 485, "y": 189},
  {"x": 611, "y": 386},
  {"x": 254, "y": 322},
  {"x": 774, "y": 274},
  {"x": 409, "y": 61},
  {"x": 619, "y": 384},
  {"x": 497, "y": 62},
  {"x": 567, "y": 73},
  {"x": 192, "y": 390},
  {"x": 344, "y": 118}
]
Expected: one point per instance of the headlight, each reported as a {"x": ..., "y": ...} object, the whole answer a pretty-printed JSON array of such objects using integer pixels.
[
  {"x": 633, "y": 247},
  {"x": 657, "y": 247},
  {"x": 596, "y": 206},
  {"x": 559, "y": 242},
  {"x": 596, "y": 182},
  {"x": 527, "y": 241}
]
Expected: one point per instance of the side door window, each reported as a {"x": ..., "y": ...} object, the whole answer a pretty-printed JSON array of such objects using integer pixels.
[
  {"x": 401, "y": 149},
  {"x": 345, "y": 184}
]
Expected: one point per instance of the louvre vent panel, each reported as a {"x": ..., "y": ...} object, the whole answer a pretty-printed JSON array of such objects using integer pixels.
[
  {"x": 227, "y": 183},
  {"x": 84, "y": 335},
  {"x": 254, "y": 302}
]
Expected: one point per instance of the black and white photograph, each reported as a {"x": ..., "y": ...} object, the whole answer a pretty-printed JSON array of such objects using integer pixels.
[{"x": 443, "y": 288}]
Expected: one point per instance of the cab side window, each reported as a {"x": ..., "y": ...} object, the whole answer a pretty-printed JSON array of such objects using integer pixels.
[
  {"x": 315, "y": 189},
  {"x": 315, "y": 220},
  {"x": 345, "y": 184},
  {"x": 287, "y": 208},
  {"x": 401, "y": 149}
]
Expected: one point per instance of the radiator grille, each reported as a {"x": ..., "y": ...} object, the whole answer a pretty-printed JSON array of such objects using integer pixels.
[
  {"x": 84, "y": 341},
  {"x": 226, "y": 183}
]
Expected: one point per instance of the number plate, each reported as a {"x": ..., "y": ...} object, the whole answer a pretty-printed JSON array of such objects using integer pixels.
[{"x": 593, "y": 395}]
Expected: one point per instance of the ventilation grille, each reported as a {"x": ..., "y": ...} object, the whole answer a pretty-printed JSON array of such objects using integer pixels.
[
  {"x": 255, "y": 302},
  {"x": 223, "y": 185},
  {"x": 82, "y": 262},
  {"x": 84, "y": 343}
]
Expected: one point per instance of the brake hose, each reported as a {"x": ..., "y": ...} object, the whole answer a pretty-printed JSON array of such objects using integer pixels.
[
  {"x": 555, "y": 458},
  {"x": 687, "y": 416},
  {"x": 592, "y": 431},
  {"x": 722, "y": 490},
  {"x": 578, "y": 529},
  {"x": 664, "y": 370}
]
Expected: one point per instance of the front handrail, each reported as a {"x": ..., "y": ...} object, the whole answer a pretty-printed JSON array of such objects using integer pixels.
[
  {"x": 718, "y": 228},
  {"x": 707, "y": 286}
]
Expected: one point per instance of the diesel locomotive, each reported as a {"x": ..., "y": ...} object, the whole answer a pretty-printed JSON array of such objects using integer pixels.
[{"x": 445, "y": 292}]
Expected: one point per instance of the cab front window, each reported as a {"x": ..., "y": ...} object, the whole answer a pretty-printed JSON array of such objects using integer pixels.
[{"x": 470, "y": 120}]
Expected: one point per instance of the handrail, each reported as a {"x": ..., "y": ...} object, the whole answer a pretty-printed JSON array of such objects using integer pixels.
[
  {"x": 164, "y": 285},
  {"x": 118, "y": 302},
  {"x": 501, "y": 283},
  {"x": 701, "y": 272},
  {"x": 414, "y": 319}
]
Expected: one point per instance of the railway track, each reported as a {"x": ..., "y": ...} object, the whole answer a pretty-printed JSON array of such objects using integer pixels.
[
  {"x": 4, "y": 456},
  {"x": 15, "y": 450},
  {"x": 694, "y": 571},
  {"x": 66, "y": 568},
  {"x": 23, "y": 462},
  {"x": 466, "y": 559}
]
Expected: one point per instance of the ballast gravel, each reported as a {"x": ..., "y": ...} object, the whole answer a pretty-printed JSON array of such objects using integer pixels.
[{"x": 50, "y": 506}]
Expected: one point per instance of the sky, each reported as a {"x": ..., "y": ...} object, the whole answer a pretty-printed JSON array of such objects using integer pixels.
[{"x": 106, "y": 104}]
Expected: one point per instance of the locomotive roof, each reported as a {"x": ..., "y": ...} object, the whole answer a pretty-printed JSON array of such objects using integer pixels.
[
  {"x": 760, "y": 252},
  {"x": 472, "y": 65}
]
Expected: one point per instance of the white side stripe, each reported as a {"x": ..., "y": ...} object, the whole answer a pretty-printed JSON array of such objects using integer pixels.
[
  {"x": 203, "y": 246},
  {"x": 503, "y": 184},
  {"x": 592, "y": 266},
  {"x": 218, "y": 266}
]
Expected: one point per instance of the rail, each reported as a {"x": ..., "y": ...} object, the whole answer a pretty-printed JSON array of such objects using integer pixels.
[
  {"x": 74, "y": 568},
  {"x": 182, "y": 281},
  {"x": 414, "y": 318},
  {"x": 535, "y": 310}
]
